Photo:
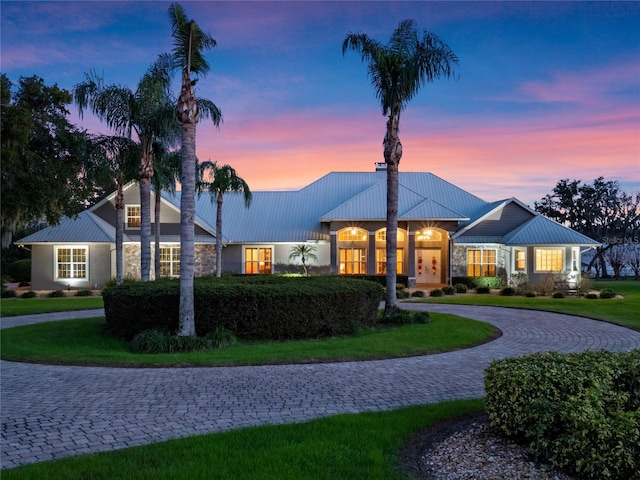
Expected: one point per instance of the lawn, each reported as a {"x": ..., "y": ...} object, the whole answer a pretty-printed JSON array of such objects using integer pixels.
[
  {"x": 10, "y": 307},
  {"x": 622, "y": 311},
  {"x": 84, "y": 342}
]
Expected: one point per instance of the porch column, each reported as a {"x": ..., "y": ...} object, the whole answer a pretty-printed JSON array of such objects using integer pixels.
[
  {"x": 371, "y": 254},
  {"x": 333, "y": 265},
  {"x": 411, "y": 257}
]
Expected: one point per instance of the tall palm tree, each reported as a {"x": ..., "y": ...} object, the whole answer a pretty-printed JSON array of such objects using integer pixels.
[
  {"x": 189, "y": 42},
  {"x": 304, "y": 251},
  {"x": 397, "y": 71},
  {"x": 224, "y": 179},
  {"x": 149, "y": 112},
  {"x": 166, "y": 173}
]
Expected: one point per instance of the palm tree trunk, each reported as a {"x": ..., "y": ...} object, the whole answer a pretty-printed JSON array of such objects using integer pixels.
[
  {"x": 392, "y": 155},
  {"x": 146, "y": 172},
  {"x": 188, "y": 117},
  {"x": 119, "y": 204},
  {"x": 157, "y": 234},
  {"x": 219, "y": 236}
]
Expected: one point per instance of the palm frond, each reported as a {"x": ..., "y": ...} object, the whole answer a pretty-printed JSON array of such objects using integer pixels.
[
  {"x": 208, "y": 109},
  {"x": 189, "y": 42}
]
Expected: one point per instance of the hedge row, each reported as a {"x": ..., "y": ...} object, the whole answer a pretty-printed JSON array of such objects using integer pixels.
[
  {"x": 580, "y": 412},
  {"x": 269, "y": 307}
]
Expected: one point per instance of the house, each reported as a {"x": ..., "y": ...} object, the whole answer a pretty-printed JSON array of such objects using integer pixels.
[{"x": 443, "y": 232}]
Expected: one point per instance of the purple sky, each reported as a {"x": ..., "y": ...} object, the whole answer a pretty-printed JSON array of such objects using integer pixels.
[{"x": 545, "y": 90}]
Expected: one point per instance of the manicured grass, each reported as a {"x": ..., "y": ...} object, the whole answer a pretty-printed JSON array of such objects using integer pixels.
[
  {"x": 83, "y": 342},
  {"x": 624, "y": 311},
  {"x": 345, "y": 447},
  {"x": 10, "y": 307}
]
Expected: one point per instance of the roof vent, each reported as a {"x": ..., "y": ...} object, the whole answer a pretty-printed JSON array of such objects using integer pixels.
[{"x": 381, "y": 167}]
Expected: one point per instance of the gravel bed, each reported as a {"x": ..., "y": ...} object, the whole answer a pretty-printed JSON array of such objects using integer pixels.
[{"x": 472, "y": 450}]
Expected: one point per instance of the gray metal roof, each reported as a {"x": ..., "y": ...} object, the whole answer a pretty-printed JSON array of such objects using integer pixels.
[
  {"x": 543, "y": 231},
  {"x": 85, "y": 228}
]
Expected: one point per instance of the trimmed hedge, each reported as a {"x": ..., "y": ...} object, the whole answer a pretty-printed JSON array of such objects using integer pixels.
[
  {"x": 579, "y": 411},
  {"x": 259, "y": 307},
  {"x": 20, "y": 270}
]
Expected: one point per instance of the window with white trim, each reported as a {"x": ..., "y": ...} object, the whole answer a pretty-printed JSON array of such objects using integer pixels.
[
  {"x": 381, "y": 261},
  {"x": 481, "y": 263},
  {"x": 353, "y": 234},
  {"x": 170, "y": 261},
  {"x": 257, "y": 260},
  {"x": 520, "y": 260},
  {"x": 132, "y": 216},
  {"x": 72, "y": 262},
  {"x": 381, "y": 235},
  {"x": 353, "y": 261},
  {"x": 549, "y": 259}
]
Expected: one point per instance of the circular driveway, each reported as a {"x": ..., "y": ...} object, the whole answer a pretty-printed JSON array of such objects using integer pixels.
[{"x": 57, "y": 411}]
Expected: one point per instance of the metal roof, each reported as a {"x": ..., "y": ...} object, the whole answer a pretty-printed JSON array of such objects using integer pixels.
[
  {"x": 85, "y": 228},
  {"x": 543, "y": 231}
]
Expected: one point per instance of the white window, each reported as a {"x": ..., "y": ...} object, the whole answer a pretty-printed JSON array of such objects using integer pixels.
[
  {"x": 381, "y": 235},
  {"x": 133, "y": 216},
  {"x": 352, "y": 235},
  {"x": 257, "y": 260},
  {"x": 381, "y": 261},
  {"x": 353, "y": 261},
  {"x": 170, "y": 261},
  {"x": 549, "y": 259},
  {"x": 481, "y": 263},
  {"x": 520, "y": 261},
  {"x": 72, "y": 262}
]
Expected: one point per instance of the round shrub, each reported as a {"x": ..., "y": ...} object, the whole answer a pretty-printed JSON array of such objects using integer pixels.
[
  {"x": 508, "y": 292},
  {"x": 530, "y": 294},
  {"x": 436, "y": 293},
  {"x": 591, "y": 296},
  {"x": 406, "y": 317},
  {"x": 558, "y": 295},
  {"x": 20, "y": 270},
  {"x": 483, "y": 290},
  {"x": 418, "y": 294},
  {"x": 460, "y": 288},
  {"x": 56, "y": 294},
  {"x": 449, "y": 290},
  {"x": 607, "y": 293},
  {"x": 29, "y": 294},
  {"x": 84, "y": 293},
  {"x": 9, "y": 293}
]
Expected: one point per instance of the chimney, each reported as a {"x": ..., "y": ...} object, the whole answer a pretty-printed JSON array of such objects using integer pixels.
[{"x": 381, "y": 167}]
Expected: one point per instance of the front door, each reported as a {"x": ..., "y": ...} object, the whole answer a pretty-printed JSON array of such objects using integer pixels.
[{"x": 428, "y": 265}]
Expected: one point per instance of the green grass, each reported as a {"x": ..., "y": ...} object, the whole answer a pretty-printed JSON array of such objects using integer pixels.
[
  {"x": 625, "y": 311},
  {"x": 83, "y": 342},
  {"x": 362, "y": 446},
  {"x": 10, "y": 307}
]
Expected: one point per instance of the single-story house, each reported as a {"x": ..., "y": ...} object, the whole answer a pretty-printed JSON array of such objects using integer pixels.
[{"x": 443, "y": 232}]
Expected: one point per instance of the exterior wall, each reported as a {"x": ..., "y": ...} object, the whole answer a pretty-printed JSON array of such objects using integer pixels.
[
  {"x": 459, "y": 258},
  {"x": 204, "y": 261},
  {"x": 43, "y": 267}
]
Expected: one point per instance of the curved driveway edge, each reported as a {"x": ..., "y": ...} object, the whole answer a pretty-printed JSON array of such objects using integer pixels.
[{"x": 56, "y": 411}]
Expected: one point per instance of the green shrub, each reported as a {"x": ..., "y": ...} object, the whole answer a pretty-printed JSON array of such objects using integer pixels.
[
  {"x": 436, "y": 293},
  {"x": 56, "y": 294},
  {"x": 6, "y": 293},
  {"x": 490, "y": 282},
  {"x": 29, "y": 294},
  {"x": 84, "y": 293},
  {"x": 406, "y": 317},
  {"x": 579, "y": 411},
  {"x": 530, "y": 294},
  {"x": 449, "y": 290},
  {"x": 161, "y": 341},
  {"x": 508, "y": 292},
  {"x": 483, "y": 290},
  {"x": 558, "y": 295},
  {"x": 460, "y": 288},
  {"x": 591, "y": 296},
  {"x": 402, "y": 292},
  {"x": 20, "y": 270},
  {"x": 607, "y": 293},
  {"x": 24, "y": 284},
  {"x": 469, "y": 282},
  {"x": 253, "y": 307},
  {"x": 418, "y": 294}
]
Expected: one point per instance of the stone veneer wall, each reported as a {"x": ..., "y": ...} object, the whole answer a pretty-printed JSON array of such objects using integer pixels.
[
  {"x": 205, "y": 260},
  {"x": 460, "y": 258}
]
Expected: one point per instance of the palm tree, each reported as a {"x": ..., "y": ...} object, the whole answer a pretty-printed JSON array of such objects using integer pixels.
[
  {"x": 397, "y": 71},
  {"x": 149, "y": 112},
  {"x": 113, "y": 159},
  {"x": 224, "y": 179},
  {"x": 166, "y": 172},
  {"x": 189, "y": 41},
  {"x": 304, "y": 251}
]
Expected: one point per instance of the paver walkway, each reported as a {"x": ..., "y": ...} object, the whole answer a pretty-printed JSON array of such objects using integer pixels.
[{"x": 56, "y": 411}]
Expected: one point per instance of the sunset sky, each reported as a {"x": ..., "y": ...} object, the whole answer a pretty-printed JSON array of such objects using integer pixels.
[{"x": 545, "y": 91}]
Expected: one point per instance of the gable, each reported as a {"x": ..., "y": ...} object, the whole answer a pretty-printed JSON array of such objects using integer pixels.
[{"x": 500, "y": 221}]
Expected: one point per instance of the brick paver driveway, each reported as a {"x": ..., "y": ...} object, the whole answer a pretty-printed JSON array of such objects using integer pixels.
[{"x": 56, "y": 411}]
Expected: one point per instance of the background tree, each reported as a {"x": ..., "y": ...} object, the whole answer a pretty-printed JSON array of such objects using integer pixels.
[
  {"x": 304, "y": 251},
  {"x": 223, "y": 179},
  {"x": 42, "y": 155},
  {"x": 397, "y": 71},
  {"x": 618, "y": 259},
  {"x": 600, "y": 211},
  {"x": 149, "y": 112},
  {"x": 634, "y": 259},
  {"x": 189, "y": 42}
]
